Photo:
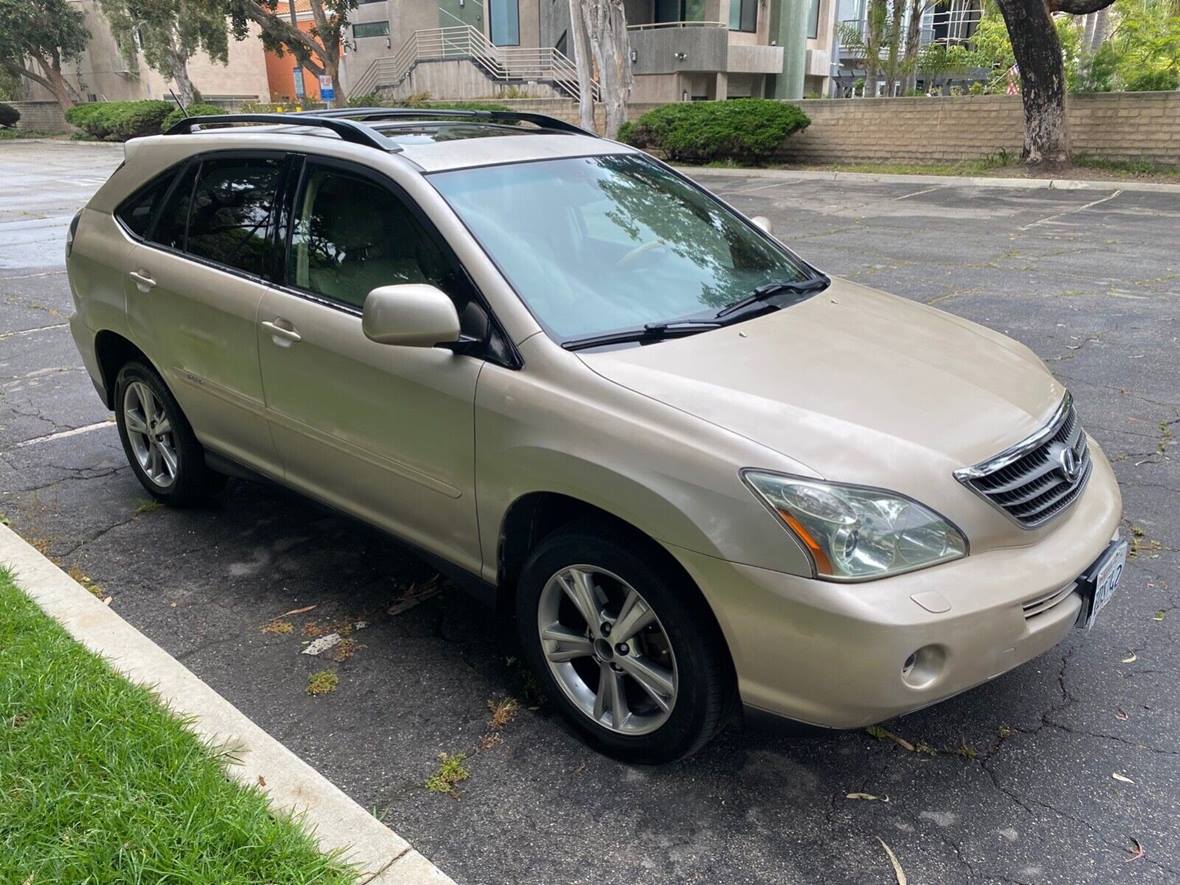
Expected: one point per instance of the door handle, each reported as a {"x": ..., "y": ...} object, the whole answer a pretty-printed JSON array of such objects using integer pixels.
[
  {"x": 143, "y": 280},
  {"x": 281, "y": 332}
]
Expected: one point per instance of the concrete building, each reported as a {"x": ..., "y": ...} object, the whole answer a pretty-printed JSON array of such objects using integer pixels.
[
  {"x": 103, "y": 73},
  {"x": 680, "y": 49}
]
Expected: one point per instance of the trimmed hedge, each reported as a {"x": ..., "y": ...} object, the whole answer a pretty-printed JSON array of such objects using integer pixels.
[
  {"x": 120, "y": 120},
  {"x": 422, "y": 101},
  {"x": 8, "y": 115},
  {"x": 197, "y": 109},
  {"x": 743, "y": 130}
]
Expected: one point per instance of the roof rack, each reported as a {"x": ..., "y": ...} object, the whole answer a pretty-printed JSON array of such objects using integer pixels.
[
  {"x": 544, "y": 121},
  {"x": 348, "y": 130}
]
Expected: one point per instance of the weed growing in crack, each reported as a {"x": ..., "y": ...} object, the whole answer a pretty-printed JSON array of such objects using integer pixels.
[{"x": 452, "y": 770}]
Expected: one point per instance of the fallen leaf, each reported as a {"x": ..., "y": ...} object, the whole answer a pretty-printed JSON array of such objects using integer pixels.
[
  {"x": 261, "y": 781},
  {"x": 1131, "y": 658},
  {"x": 869, "y": 797},
  {"x": 1120, "y": 714},
  {"x": 298, "y": 611},
  {"x": 1159, "y": 615},
  {"x": 897, "y": 870},
  {"x": 1135, "y": 851},
  {"x": 1121, "y": 777}
]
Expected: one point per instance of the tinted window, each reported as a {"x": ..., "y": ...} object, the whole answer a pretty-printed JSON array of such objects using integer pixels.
[
  {"x": 169, "y": 230},
  {"x": 232, "y": 210},
  {"x": 138, "y": 212},
  {"x": 351, "y": 235}
]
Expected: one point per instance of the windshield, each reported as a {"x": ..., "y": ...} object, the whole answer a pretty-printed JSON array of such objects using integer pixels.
[{"x": 598, "y": 244}]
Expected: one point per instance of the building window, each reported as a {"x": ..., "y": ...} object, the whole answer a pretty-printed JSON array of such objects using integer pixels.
[
  {"x": 562, "y": 44},
  {"x": 682, "y": 10},
  {"x": 813, "y": 20},
  {"x": 370, "y": 29},
  {"x": 504, "y": 16},
  {"x": 743, "y": 15}
]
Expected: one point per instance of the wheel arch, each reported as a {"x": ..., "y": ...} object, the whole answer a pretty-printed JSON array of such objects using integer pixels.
[
  {"x": 113, "y": 351},
  {"x": 537, "y": 515}
]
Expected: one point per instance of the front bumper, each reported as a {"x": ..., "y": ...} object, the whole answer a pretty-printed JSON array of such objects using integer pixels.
[{"x": 836, "y": 654}]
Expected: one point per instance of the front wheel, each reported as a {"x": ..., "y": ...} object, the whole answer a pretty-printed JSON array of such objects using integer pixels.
[{"x": 625, "y": 648}]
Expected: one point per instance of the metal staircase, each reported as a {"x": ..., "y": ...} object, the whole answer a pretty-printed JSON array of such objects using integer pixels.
[{"x": 504, "y": 64}]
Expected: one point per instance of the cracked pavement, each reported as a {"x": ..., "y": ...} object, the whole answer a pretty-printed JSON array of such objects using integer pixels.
[{"x": 1020, "y": 784}]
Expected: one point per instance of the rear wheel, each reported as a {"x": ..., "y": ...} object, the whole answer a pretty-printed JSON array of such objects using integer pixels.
[
  {"x": 160, "y": 445},
  {"x": 625, "y": 648}
]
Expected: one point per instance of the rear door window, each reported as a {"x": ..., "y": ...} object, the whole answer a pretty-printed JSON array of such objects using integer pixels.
[
  {"x": 138, "y": 212},
  {"x": 170, "y": 229},
  {"x": 232, "y": 212}
]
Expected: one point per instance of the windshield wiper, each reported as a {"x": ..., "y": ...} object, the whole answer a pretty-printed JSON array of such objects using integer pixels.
[
  {"x": 817, "y": 283},
  {"x": 649, "y": 332}
]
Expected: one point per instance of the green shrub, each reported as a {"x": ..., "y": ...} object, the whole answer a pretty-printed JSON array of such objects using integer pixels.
[
  {"x": 194, "y": 110},
  {"x": 1154, "y": 81},
  {"x": 745, "y": 130},
  {"x": 119, "y": 120},
  {"x": 8, "y": 115}
]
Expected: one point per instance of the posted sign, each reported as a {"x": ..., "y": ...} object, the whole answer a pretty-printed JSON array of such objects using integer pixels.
[{"x": 327, "y": 92}]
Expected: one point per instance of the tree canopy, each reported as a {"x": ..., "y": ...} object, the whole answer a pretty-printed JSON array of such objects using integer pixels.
[{"x": 45, "y": 33}]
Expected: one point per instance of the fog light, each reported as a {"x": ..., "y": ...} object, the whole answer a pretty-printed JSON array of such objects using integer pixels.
[{"x": 923, "y": 667}]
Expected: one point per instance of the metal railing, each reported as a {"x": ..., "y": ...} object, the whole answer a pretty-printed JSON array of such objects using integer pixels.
[
  {"x": 651, "y": 26},
  {"x": 505, "y": 64}
]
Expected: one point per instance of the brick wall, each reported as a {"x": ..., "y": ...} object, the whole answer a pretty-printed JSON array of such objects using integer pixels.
[
  {"x": 1113, "y": 126},
  {"x": 43, "y": 116}
]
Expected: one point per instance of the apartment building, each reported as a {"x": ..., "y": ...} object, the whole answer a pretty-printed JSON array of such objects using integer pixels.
[{"x": 680, "y": 50}]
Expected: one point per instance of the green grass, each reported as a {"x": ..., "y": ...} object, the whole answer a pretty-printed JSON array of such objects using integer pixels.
[{"x": 100, "y": 784}]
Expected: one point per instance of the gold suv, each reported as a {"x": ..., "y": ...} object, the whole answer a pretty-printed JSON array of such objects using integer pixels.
[{"x": 698, "y": 472}]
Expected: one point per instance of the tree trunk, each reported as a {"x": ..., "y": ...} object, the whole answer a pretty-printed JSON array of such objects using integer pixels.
[
  {"x": 913, "y": 35},
  {"x": 1100, "y": 31},
  {"x": 51, "y": 68},
  {"x": 874, "y": 29},
  {"x": 606, "y": 26},
  {"x": 178, "y": 70},
  {"x": 580, "y": 47},
  {"x": 895, "y": 48},
  {"x": 1042, "y": 81}
]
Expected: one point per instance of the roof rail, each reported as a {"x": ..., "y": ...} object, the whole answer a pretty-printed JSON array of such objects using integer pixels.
[
  {"x": 348, "y": 130},
  {"x": 544, "y": 121}
]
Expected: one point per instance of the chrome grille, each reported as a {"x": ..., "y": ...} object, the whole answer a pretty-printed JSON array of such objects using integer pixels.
[{"x": 1038, "y": 478}]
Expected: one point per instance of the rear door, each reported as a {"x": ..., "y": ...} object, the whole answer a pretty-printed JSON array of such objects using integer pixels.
[
  {"x": 382, "y": 431},
  {"x": 196, "y": 278}
]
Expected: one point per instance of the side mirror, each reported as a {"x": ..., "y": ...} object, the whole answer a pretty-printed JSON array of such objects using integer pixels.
[
  {"x": 762, "y": 222},
  {"x": 413, "y": 315}
]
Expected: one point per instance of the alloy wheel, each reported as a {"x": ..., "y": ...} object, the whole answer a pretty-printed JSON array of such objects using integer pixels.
[
  {"x": 607, "y": 650},
  {"x": 149, "y": 431}
]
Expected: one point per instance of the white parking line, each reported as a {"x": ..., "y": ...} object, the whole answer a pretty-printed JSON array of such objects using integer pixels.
[
  {"x": 1071, "y": 211},
  {"x": 18, "y": 332},
  {"x": 62, "y": 434}
]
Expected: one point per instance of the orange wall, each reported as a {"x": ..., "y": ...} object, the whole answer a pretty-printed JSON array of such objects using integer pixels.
[{"x": 280, "y": 71}]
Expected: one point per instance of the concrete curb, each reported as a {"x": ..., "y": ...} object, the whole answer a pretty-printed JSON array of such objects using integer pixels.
[
  {"x": 337, "y": 822},
  {"x": 1075, "y": 184}
]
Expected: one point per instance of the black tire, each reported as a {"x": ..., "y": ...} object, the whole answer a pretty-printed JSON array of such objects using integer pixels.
[
  {"x": 193, "y": 481},
  {"x": 705, "y": 693}
]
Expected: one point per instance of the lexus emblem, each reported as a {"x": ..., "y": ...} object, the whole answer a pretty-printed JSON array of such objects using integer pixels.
[{"x": 1067, "y": 462}]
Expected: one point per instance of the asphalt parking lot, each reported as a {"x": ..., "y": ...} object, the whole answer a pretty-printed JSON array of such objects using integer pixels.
[{"x": 1012, "y": 782}]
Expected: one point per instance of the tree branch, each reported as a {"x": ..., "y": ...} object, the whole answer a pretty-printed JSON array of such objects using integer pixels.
[
  {"x": 1078, "y": 7},
  {"x": 22, "y": 71},
  {"x": 276, "y": 24}
]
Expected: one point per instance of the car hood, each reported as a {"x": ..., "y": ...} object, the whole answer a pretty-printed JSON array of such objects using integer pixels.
[{"x": 853, "y": 384}]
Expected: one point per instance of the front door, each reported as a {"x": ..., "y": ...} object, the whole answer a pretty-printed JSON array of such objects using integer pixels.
[
  {"x": 194, "y": 283},
  {"x": 384, "y": 432}
]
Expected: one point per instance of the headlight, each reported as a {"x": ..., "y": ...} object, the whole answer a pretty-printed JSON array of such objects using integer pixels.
[{"x": 855, "y": 533}]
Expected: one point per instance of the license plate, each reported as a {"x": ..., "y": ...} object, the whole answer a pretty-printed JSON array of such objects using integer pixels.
[{"x": 1105, "y": 580}]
